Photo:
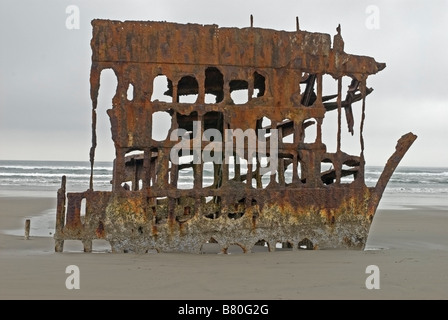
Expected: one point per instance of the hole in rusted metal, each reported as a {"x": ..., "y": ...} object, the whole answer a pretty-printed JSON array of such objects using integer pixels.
[
  {"x": 328, "y": 172},
  {"x": 161, "y": 89},
  {"x": 235, "y": 248},
  {"x": 185, "y": 173},
  {"x": 306, "y": 244},
  {"x": 349, "y": 173},
  {"x": 133, "y": 176},
  {"x": 208, "y": 175},
  {"x": 214, "y": 85},
  {"x": 259, "y": 85},
  {"x": 83, "y": 210},
  {"x": 187, "y": 90},
  {"x": 107, "y": 91},
  {"x": 310, "y": 130},
  {"x": 283, "y": 246},
  {"x": 261, "y": 246},
  {"x": 239, "y": 91},
  {"x": 130, "y": 92},
  {"x": 235, "y": 215},
  {"x": 287, "y": 130},
  {"x": 161, "y": 124}
]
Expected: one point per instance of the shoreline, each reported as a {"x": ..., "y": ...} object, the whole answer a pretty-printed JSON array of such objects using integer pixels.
[{"x": 413, "y": 260}]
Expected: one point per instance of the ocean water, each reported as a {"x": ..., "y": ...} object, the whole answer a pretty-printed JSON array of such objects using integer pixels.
[{"x": 408, "y": 187}]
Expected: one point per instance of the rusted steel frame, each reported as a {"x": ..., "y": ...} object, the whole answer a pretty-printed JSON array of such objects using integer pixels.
[
  {"x": 403, "y": 144},
  {"x": 207, "y": 59},
  {"x": 295, "y": 49}
]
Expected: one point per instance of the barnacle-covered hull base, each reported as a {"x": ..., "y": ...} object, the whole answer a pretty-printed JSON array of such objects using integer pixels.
[{"x": 269, "y": 224}]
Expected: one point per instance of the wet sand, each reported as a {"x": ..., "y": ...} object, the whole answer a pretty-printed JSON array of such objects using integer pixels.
[{"x": 409, "y": 246}]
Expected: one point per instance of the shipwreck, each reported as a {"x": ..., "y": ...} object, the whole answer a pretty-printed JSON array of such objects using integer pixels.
[{"x": 228, "y": 171}]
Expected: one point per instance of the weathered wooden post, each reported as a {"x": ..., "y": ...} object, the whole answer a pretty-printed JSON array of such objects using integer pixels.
[
  {"x": 60, "y": 217},
  {"x": 27, "y": 229}
]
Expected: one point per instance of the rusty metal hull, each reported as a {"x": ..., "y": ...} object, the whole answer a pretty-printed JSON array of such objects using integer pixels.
[
  {"x": 130, "y": 225},
  {"x": 295, "y": 200}
]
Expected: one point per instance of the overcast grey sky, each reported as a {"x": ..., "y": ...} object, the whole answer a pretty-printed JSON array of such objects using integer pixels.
[{"x": 45, "y": 107}]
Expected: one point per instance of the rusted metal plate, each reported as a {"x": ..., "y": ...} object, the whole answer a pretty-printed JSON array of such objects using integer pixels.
[{"x": 249, "y": 175}]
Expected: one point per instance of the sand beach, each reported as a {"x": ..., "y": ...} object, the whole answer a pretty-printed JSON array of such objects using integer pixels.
[{"x": 409, "y": 246}]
